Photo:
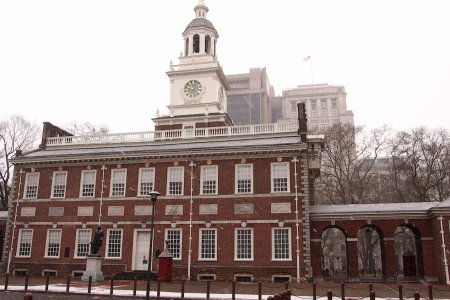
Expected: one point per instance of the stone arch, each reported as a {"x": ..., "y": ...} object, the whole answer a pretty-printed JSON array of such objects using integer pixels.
[
  {"x": 334, "y": 252},
  {"x": 207, "y": 44},
  {"x": 408, "y": 251},
  {"x": 196, "y": 44},
  {"x": 370, "y": 251}
]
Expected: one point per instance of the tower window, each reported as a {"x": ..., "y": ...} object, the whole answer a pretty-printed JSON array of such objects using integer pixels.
[
  {"x": 207, "y": 44},
  {"x": 186, "y": 47},
  {"x": 196, "y": 43}
]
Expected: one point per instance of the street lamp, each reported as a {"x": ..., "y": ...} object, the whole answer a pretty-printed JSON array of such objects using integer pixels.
[{"x": 153, "y": 196}]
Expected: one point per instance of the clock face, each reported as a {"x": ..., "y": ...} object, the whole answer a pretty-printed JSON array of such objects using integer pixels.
[{"x": 192, "y": 88}]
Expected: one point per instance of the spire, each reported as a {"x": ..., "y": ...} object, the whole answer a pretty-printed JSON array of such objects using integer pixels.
[{"x": 201, "y": 9}]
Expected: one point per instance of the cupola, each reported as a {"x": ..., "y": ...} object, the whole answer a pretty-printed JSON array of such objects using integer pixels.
[{"x": 200, "y": 36}]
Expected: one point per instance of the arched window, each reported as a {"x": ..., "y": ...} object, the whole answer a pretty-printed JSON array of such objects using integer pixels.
[
  {"x": 196, "y": 46},
  {"x": 334, "y": 252},
  {"x": 369, "y": 252},
  {"x": 186, "y": 47},
  {"x": 207, "y": 44},
  {"x": 408, "y": 258}
]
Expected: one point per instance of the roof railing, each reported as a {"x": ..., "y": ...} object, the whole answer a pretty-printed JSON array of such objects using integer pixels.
[{"x": 160, "y": 135}]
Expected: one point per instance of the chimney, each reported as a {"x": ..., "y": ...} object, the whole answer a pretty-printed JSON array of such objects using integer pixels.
[{"x": 302, "y": 121}]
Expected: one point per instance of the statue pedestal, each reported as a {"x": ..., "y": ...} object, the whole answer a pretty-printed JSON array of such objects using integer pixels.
[{"x": 93, "y": 268}]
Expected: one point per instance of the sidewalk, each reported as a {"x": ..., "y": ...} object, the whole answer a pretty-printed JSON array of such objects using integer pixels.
[{"x": 217, "y": 290}]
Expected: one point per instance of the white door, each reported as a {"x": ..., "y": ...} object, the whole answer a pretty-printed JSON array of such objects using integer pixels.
[{"x": 141, "y": 255}]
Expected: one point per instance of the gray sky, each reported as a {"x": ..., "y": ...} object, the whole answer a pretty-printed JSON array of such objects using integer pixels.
[{"x": 104, "y": 62}]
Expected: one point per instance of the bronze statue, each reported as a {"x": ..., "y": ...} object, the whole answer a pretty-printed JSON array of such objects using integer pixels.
[{"x": 96, "y": 243}]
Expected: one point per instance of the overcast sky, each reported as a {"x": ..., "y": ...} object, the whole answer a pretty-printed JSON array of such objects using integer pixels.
[{"x": 104, "y": 62}]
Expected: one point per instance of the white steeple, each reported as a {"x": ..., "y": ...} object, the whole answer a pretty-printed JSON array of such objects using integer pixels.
[
  {"x": 201, "y": 9},
  {"x": 200, "y": 36}
]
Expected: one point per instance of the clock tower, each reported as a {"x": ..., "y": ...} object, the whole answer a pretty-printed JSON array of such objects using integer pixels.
[{"x": 197, "y": 82}]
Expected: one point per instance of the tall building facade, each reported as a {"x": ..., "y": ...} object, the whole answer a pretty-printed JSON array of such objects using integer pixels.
[
  {"x": 325, "y": 104},
  {"x": 250, "y": 98}
]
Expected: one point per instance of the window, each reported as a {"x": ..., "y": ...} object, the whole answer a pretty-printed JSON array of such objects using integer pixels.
[
  {"x": 114, "y": 244},
  {"x": 323, "y": 105},
  {"x": 244, "y": 178},
  {"x": 59, "y": 184},
  {"x": 281, "y": 244},
  {"x": 209, "y": 180},
  {"x": 243, "y": 244},
  {"x": 280, "y": 177},
  {"x": 173, "y": 236},
  {"x": 175, "y": 181},
  {"x": 87, "y": 188},
  {"x": 53, "y": 243},
  {"x": 31, "y": 185},
  {"x": 313, "y": 105},
  {"x": 25, "y": 239},
  {"x": 118, "y": 180},
  {"x": 146, "y": 181},
  {"x": 208, "y": 249},
  {"x": 294, "y": 107},
  {"x": 83, "y": 242},
  {"x": 333, "y": 104}
]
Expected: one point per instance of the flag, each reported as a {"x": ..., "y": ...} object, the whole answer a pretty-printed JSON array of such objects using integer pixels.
[{"x": 307, "y": 58}]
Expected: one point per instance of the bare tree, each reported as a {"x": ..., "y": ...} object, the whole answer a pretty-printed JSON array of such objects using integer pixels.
[
  {"x": 85, "y": 128},
  {"x": 369, "y": 251},
  {"x": 348, "y": 158},
  {"x": 420, "y": 164},
  {"x": 16, "y": 133}
]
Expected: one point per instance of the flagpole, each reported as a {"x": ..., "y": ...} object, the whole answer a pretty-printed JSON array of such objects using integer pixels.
[{"x": 309, "y": 59}]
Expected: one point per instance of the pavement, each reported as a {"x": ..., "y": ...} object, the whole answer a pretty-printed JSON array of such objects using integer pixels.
[{"x": 78, "y": 290}]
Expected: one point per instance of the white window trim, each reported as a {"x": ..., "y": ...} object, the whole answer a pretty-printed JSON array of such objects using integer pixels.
[
  {"x": 19, "y": 238},
  {"x": 107, "y": 244},
  {"x": 53, "y": 184},
  {"x": 289, "y": 241},
  {"x": 75, "y": 252},
  {"x": 199, "y": 275},
  {"x": 48, "y": 240},
  {"x": 140, "y": 181},
  {"x": 243, "y": 275},
  {"x": 216, "y": 178},
  {"x": 288, "y": 177},
  {"x": 26, "y": 185},
  {"x": 168, "y": 181},
  {"x": 236, "y": 179},
  {"x": 181, "y": 240},
  {"x": 124, "y": 184},
  {"x": 200, "y": 245},
  {"x": 82, "y": 181},
  {"x": 236, "y": 244}
]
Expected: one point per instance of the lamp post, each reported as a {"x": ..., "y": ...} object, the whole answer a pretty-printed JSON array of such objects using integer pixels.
[{"x": 153, "y": 196}]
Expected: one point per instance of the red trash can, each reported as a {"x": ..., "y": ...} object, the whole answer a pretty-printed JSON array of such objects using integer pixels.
[{"x": 165, "y": 266}]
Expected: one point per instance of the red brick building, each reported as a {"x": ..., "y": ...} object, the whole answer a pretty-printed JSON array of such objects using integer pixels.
[{"x": 236, "y": 201}]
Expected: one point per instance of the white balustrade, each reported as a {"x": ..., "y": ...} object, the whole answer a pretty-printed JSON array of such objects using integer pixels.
[{"x": 150, "y": 136}]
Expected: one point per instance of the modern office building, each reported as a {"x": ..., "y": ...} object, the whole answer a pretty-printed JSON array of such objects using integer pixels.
[
  {"x": 325, "y": 105},
  {"x": 250, "y": 98}
]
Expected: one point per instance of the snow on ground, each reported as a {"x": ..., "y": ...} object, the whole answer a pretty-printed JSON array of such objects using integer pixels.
[{"x": 104, "y": 290}]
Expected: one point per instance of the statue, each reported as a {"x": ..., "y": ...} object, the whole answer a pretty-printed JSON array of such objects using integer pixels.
[{"x": 96, "y": 243}]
